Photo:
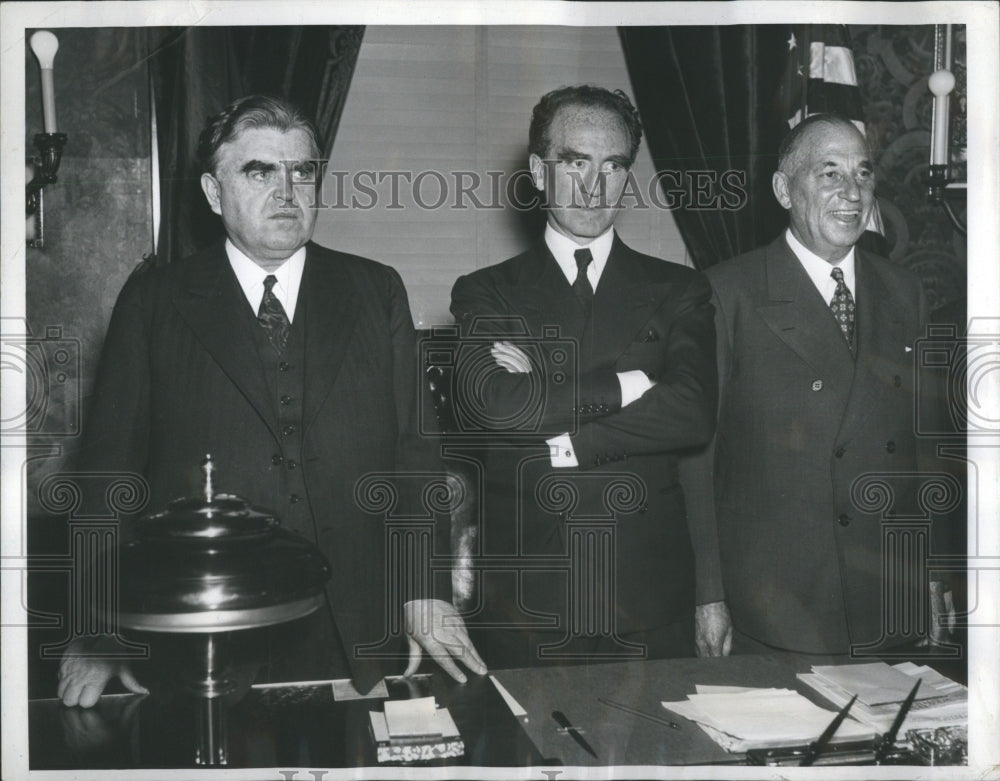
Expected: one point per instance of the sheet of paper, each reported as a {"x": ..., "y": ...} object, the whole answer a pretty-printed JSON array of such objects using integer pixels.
[
  {"x": 875, "y": 683},
  {"x": 514, "y": 705},
  {"x": 412, "y": 718},
  {"x": 344, "y": 690},
  {"x": 764, "y": 717}
]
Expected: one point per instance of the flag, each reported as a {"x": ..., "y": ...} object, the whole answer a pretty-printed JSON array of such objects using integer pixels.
[{"x": 820, "y": 78}]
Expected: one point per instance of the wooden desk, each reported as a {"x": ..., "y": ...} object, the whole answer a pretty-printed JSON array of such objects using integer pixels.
[{"x": 307, "y": 728}]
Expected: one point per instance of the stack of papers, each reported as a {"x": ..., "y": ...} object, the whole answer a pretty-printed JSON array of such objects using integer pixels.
[
  {"x": 881, "y": 690},
  {"x": 740, "y": 719}
]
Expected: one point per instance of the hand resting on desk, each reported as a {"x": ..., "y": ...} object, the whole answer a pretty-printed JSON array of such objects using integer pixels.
[
  {"x": 82, "y": 677},
  {"x": 434, "y": 626},
  {"x": 713, "y": 629}
]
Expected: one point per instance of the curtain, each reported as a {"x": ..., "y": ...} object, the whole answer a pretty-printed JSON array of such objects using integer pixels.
[
  {"x": 709, "y": 98},
  {"x": 196, "y": 71}
]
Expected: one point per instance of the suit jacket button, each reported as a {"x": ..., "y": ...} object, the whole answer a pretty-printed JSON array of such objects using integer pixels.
[
  {"x": 288, "y": 430},
  {"x": 276, "y": 459},
  {"x": 294, "y": 498},
  {"x": 292, "y": 463},
  {"x": 897, "y": 381},
  {"x": 817, "y": 385},
  {"x": 890, "y": 447},
  {"x": 844, "y": 520},
  {"x": 839, "y": 452},
  {"x": 283, "y": 367},
  {"x": 286, "y": 400}
]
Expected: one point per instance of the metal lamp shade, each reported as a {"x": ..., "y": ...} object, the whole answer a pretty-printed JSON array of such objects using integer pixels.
[{"x": 217, "y": 565}]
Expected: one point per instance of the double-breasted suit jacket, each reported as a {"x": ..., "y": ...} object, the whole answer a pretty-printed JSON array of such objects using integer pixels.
[
  {"x": 803, "y": 423},
  {"x": 647, "y": 314},
  {"x": 181, "y": 376}
]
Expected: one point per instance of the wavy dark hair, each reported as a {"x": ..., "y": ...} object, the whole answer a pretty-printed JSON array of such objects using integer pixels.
[
  {"x": 588, "y": 96},
  {"x": 251, "y": 111}
]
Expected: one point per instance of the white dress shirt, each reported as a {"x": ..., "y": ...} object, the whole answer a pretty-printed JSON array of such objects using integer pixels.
[
  {"x": 251, "y": 278},
  {"x": 819, "y": 269},
  {"x": 633, "y": 383}
]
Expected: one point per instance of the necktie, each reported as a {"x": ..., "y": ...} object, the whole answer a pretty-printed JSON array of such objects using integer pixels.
[
  {"x": 271, "y": 315},
  {"x": 581, "y": 286},
  {"x": 842, "y": 305}
]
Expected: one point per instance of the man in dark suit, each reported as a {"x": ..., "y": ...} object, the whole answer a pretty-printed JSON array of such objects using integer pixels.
[
  {"x": 585, "y": 548},
  {"x": 294, "y": 366},
  {"x": 817, "y": 390}
]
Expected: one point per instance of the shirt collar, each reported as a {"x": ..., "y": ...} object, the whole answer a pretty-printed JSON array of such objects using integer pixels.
[
  {"x": 251, "y": 278},
  {"x": 819, "y": 269},
  {"x": 563, "y": 249}
]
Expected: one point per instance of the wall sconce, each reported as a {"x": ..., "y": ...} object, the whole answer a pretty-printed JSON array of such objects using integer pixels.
[
  {"x": 941, "y": 83},
  {"x": 41, "y": 170}
]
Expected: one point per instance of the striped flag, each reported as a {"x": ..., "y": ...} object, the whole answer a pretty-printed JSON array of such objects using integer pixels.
[{"x": 820, "y": 78}]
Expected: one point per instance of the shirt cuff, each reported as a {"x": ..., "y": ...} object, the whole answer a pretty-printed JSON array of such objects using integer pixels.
[
  {"x": 561, "y": 451},
  {"x": 633, "y": 384}
]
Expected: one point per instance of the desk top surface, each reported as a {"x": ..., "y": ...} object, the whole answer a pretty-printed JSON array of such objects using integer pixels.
[{"x": 306, "y": 727}]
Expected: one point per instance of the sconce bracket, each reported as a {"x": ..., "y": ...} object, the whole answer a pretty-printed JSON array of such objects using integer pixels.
[{"x": 46, "y": 166}]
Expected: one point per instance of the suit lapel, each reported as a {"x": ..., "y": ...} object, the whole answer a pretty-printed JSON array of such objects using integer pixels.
[
  {"x": 624, "y": 301},
  {"x": 212, "y": 303},
  {"x": 798, "y": 316},
  {"x": 332, "y": 305},
  {"x": 880, "y": 335},
  {"x": 542, "y": 295}
]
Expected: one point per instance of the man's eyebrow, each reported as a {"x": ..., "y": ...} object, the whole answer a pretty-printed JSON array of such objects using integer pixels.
[
  {"x": 257, "y": 165},
  {"x": 568, "y": 153},
  {"x": 621, "y": 160}
]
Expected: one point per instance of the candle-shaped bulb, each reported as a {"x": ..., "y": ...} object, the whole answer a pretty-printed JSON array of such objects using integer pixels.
[
  {"x": 45, "y": 45},
  {"x": 940, "y": 83}
]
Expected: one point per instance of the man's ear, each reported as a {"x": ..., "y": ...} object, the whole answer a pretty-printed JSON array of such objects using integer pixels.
[
  {"x": 537, "y": 168},
  {"x": 210, "y": 186},
  {"x": 779, "y": 183}
]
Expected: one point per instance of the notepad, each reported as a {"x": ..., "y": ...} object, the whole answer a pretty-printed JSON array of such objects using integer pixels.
[{"x": 415, "y": 730}]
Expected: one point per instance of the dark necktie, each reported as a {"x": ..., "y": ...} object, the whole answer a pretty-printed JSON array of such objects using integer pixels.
[
  {"x": 842, "y": 305},
  {"x": 272, "y": 317},
  {"x": 581, "y": 287}
]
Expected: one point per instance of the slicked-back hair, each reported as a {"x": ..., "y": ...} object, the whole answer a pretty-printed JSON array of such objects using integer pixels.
[
  {"x": 583, "y": 96},
  {"x": 789, "y": 146},
  {"x": 251, "y": 111}
]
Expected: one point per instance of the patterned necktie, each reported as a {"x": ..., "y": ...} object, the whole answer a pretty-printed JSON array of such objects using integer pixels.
[
  {"x": 271, "y": 315},
  {"x": 581, "y": 287},
  {"x": 842, "y": 305}
]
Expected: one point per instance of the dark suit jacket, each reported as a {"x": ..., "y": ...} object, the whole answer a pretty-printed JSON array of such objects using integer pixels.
[
  {"x": 180, "y": 377},
  {"x": 648, "y": 314},
  {"x": 800, "y": 421}
]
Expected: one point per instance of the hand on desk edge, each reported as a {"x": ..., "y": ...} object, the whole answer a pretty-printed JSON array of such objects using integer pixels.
[
  {"x": 83, "y": 676},
  {"x": 435, "y": 626},
  {"x": 713, "y": 629}
]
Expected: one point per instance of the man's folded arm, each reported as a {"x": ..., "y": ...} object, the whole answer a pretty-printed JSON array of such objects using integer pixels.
[
  {"x": 679, "y": 410},
  {"x": 553, "y": 395}
]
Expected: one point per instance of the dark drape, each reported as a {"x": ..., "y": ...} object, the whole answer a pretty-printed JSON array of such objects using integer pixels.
[
  {"x": 195, "y": 71},
  {"x": 709, "y": 101}
]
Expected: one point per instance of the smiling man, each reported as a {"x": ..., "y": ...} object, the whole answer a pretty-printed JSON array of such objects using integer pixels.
[
  {"x": 295, "y": 367},
  {"x": 582, "y": 500},
  {"x": 817, "y": 390}
]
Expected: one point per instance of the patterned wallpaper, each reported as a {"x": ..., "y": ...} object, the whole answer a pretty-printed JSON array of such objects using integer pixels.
[{"x": 893, "y": 63}]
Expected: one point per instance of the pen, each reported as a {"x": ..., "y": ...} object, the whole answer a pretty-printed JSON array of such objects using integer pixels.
[
  {"x": 642, "y": 714},
  {"x": 573, "y": 732}
]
